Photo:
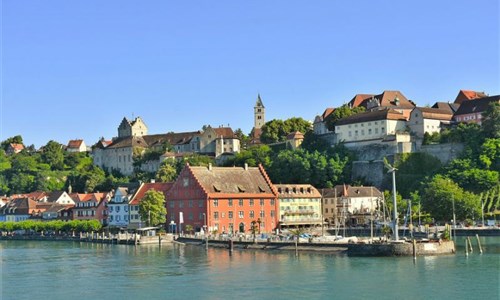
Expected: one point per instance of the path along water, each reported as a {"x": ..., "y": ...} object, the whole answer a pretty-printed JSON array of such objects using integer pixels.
[{"x": 73, "y": 270}]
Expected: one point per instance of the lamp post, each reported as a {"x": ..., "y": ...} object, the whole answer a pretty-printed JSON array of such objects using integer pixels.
[
  {"x": 205, "y": 223},
  {"x": 395, "y": 208},
  {"x": 454, "y": 218}
]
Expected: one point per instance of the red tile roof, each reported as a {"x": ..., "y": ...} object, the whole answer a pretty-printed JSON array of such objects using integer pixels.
[
  {"x": 220, "y": 182},
  {"x": 327, "y": 112},
  {"x": 75, "y": 144},
  {"x": 163, "y": 187},
  {"x": 465, "y": 95},
  {"x": 225, "y": 132},
  {"x": 435, "y": 113},
  {"x": 385, "y": 114},
  {"x": 358, "y": 99}
]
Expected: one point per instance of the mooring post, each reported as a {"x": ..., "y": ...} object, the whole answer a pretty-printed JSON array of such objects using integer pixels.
[
  {"x": 296, "y": 246},
  {"x": 470, "y": 245},
  {"x": 231, "y": 245},
  {"x": 414, "y": 249},
  {"x": 466, "y": 248},
  {"x": 206, "y": 243},
  {"x": 479, "y": 244}
]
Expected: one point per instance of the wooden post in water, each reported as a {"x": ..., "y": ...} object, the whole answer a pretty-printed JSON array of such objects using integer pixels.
[
  {"x": 479, "y": 244},
  {"x": 231, "y": 245},
  {"x": 466, "y": 248},
  {"x": 414, "y": 249},
  {"x": 470, "y": 245},
  {"x": 296, "y": 246},
  {"x": 206, "y": 243}
]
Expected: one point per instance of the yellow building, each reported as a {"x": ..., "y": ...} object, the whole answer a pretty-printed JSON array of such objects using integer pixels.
[{"x": 299, "y": 205}]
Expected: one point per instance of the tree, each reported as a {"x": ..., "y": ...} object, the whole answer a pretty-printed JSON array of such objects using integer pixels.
[
  {"x": 440, "y": 193},
  {"x": 53, "y": 155},
  {"x": 12, "y": 140},
  {"x": 342, "y": 112},
  {"x": 152, "y": 208},
  {"x": 491, "y": 121},
  {"x": 276, "y": 130},
  {"x": 166, "y": 172},
  {"x": 244, "y": 139}
]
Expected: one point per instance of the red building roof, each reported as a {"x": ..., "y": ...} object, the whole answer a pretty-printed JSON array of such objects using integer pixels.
[{"x": 162, "y": 187}]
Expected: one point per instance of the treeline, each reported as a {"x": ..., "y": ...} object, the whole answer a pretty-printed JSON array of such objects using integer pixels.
[
  {"x": 51, "y": 169},
  {"x": 55, "y": 226}
]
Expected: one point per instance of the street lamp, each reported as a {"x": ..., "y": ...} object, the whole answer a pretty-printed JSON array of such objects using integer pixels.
[{"x": 205, "y": 222}]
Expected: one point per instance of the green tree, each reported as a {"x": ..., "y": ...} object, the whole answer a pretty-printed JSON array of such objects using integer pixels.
[
  {"x": 244, "y": 139},
  {"x": 152, "y": 208},
  {"x": 342, "y": 112},
  {"x": 166, "y": 172},
  {"x": 53, "y": 155},
  {"x": 491, "y": 121},
  {"x": 276, "y": 130},
  {"x": 12, "y": 140},
  {"x": 440, "y": 193}
]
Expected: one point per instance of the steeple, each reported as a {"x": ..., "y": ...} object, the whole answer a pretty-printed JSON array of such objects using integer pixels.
[{"x": 259, "y": 113}]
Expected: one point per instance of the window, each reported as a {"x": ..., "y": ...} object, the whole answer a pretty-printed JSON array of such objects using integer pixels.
[
  {"x": 261, "y": 202},
  {"x": 369, "y": 131},
  {"x": 230, "y": 215},
  {"x": 251, "y": 202},
  {"x": 273, "y": 201},
  {"x": 200, "y": 216},
  {"x": 172, "y": 204},
  {"x": 118, "y": 218},
  {"x": 240, "y": 202},
  {"x": 216, "y": 215},
  {"x": 110, "y": 208},
  {"x": 181, "y": 204},
  {"x": 376, "y": 130},
  {"x": 200, "y": 203},
  {"x": 326, "y": 210},
  {"x": 241, "y": 214},
  {"x": 350, "y": 134},
  {"x": 125, "y": 208},
  {"x": 252, "y": 214},
  {"x": 262, "y": 214},
  {"x": 190, "y": 217},
  {"x": 272, "y": 214},
  {"x": 190, "y": 203},
  {"x": 125, "y": 218},
  {"x": 230, "y": 202},
  {"x": 117, "y": 209},
  {"x": 216, "y": 202}
]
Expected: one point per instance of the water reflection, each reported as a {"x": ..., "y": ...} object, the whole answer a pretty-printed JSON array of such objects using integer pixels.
[{"x": 176, "y": 271}]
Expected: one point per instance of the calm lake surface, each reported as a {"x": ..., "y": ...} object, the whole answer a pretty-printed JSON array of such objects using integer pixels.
[{"x": 73, "y": 270}]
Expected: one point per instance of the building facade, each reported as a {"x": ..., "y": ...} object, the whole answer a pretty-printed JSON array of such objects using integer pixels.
[
  {"x": 222, "y": 200},
  {"x": 299, "y": 205}
]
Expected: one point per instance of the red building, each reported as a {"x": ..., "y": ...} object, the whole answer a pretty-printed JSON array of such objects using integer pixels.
[
  {"x": 222, "y": 199},
  {"x": 91, "y": 206}
]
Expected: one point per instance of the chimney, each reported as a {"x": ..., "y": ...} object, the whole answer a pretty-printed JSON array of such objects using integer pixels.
[
  {"x": 210, "y": 166},
  {"x": 246, "y": 167}
]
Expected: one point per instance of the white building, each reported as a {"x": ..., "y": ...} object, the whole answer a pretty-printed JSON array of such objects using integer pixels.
[
  {"x": 370, "y": 127},
  {"x": 118, "y": 207},
  {"x": 428, "y": 120}
]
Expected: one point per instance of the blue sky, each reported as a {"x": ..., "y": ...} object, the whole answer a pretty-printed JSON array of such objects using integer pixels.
[{"x": 74, "y": 69}]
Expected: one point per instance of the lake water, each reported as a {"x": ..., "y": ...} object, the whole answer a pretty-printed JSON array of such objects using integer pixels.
[{"x": 73, "y": 270}]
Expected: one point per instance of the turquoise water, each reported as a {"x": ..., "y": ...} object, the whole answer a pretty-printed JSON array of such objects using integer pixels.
[{"x": 71, "y": 270}]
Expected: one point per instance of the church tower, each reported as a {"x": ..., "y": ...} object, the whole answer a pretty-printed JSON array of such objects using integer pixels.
[{"x": 259, "y": 113}]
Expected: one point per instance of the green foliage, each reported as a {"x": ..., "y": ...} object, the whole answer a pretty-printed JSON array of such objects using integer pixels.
[
  {"x": 342, "y": 112},
  {"x": 276, "y": 130},
  {"x": 433, "y": 138},
  {"x": 56, "y": 225},
  {"x": 12, "y": 140},
  {"x": 53, "y": 155},
  {"x": 167, "y": 172},
  {"x": 315, "y": 168},
  {"x": 254, "y": 156},
  {"x": 244, "y": 139},
  {"x": 152, "y": 208},
  {"x": 413, "y": 168},
  {"x": 438, "y": 196},
  {"x": 491, "y": 121}
]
